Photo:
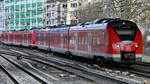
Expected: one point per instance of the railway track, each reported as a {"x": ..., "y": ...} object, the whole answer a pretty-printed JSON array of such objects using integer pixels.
[
  {"x": 22, "y": 75},
  {"x": 72, "y": 67},
  {"x": 80, "y": 72},
  {"x": 144, "y": 64},
  {"x": 141, "y": 69},
  {"x": 9, "y": 74}
]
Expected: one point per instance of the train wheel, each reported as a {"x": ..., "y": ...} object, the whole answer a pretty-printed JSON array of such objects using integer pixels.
[
  {"x": 49, "y": 49},
  {"x": 68, "y": 54},
  {"x": 100, "y": 61}
]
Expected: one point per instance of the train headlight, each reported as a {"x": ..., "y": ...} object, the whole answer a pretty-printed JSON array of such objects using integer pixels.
[
  {"x": 136, "y": 45},
  {"x": 117, "y": 45}
]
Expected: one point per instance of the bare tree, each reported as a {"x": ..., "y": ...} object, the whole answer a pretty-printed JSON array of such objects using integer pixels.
[
  {"x": 135, "y": 10},
  {"x": 90, "y": 12}
]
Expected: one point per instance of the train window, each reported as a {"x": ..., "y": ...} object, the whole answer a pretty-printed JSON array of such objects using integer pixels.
[
  {"x": 55, "y": 40},
  {"x": 82, "y": 41},
  {"x": 98, "y": 41},
  {"x": 126, "y": 30},
  {"x": 65, "y": 39},
  {"x": 103, "y": 34},
  {"x": 72, "y": 40},
  {"x": 94, "y": 41},
  {"x": 86, "y": 40},
  {"x": 79, "y": 40},
  {"x": 126, "y": 34}
]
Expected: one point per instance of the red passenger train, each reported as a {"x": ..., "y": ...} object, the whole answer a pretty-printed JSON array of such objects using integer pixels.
[{"x": 108, "y": 40}]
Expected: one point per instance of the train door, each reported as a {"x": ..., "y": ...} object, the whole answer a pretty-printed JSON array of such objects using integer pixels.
[
  {"x": 46, "y": 39},
  {"x": 38, "y": 38},
  {"x": 2, "y": 37},
  {"x": 25, "y": 35},
  {"x": 97, "y": 41},
  {"x": 30, "y": 37},
  {"x": 49, "y": 39},
  {"x": 65, "y": 41},
  {"x": 41, "y": 38},
  {"x": 19, "y": 34},
  {"x": 82, "y": 42},
  {"x": 72, "y": 40},
  {"x": 10, "y": 37},
  {"x": 56, "y": 39},
  {"x": 59, "y": 40},
  {"x": 15, "y": 37},
  {"x": 22, "y": 37}
]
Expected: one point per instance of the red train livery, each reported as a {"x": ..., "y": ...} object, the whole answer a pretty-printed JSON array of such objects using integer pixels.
[{"x": 109, "y": 40}]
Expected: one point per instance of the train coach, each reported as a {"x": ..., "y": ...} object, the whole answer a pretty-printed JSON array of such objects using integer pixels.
[{"x": 108, "y": 40}]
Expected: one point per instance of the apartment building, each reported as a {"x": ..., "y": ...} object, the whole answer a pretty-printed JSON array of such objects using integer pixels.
[
  {"x": 23, "y": 14},
  {"x": 72, "y": 14},
  {"x": 1, "y": 15},
  {"x": 55, "y": 13},
  {"x": 84, "y": 10}
]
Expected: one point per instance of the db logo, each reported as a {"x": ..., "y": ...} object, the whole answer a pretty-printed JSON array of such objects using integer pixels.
[{"x": 128, "y": 48}]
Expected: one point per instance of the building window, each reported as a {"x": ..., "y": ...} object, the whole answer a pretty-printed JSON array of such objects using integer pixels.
[
  {"x": 48, "y": 6},
  {"x": 73, "y": 21},
  {"x": 28, "y": 23},
  {"x": 22, "y": 23},
  {"x": 64, "y": 5},
  {"x": 48, "y": 14},
  {"x": 73, "y": 13},
  {"x": 53, "y": 5},
  {"x": 97, "y": 4},
  {"x": 52, "y": 14},
  {"x": 23, "y": 16},
  {"x": 73, "y": 5}
]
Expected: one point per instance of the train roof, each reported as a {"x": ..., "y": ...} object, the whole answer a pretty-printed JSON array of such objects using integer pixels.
[
  {"x": 94, "y": 25},
  {"x": 61, "y": 29},
  {"x": 80, "y": 28},
  {"x": 89, "y": 27}
]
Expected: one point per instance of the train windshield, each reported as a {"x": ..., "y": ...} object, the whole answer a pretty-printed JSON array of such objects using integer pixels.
[
  {"x": 126, "y": 34},
  {"x": 126, "y": 30}
]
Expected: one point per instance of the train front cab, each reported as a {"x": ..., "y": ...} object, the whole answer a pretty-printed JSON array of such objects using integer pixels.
[{"x": 126, "y": 42}]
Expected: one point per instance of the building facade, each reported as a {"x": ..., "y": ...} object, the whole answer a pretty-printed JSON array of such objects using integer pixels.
[
  {"x": 23, "y": 14},
  {"x": 72, "y": 14},
  {"x": 1, "y": 15},
  {"x": 84, "y": 10},
  {"x": 55, "y": 13}
]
